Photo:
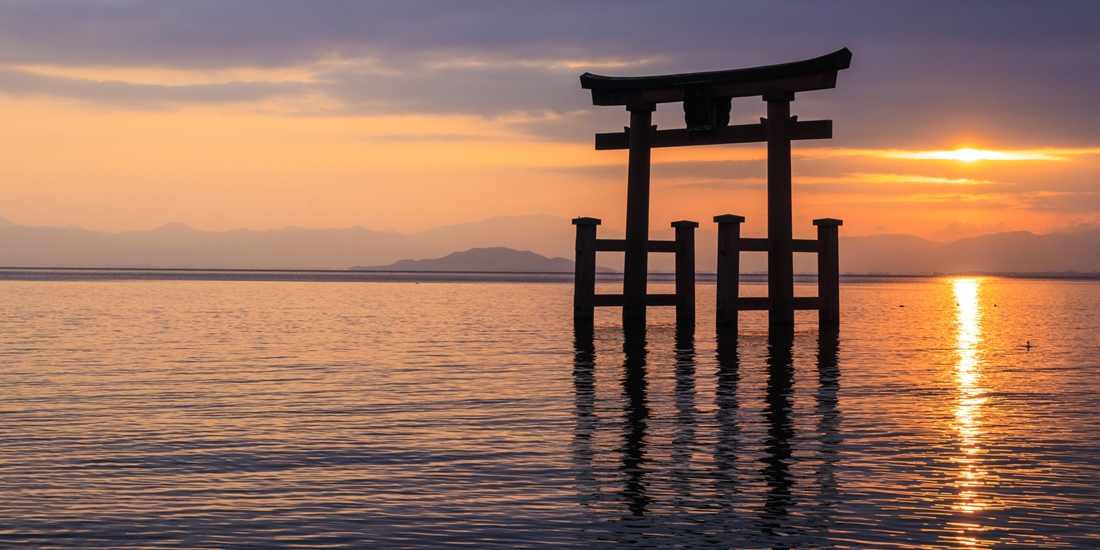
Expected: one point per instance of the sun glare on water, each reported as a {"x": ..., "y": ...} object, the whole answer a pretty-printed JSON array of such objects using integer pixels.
[{"x": 970, "y": 483}]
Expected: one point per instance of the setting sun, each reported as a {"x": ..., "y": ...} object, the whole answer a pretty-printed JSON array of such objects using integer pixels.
[{"x": 969, "y": 155}]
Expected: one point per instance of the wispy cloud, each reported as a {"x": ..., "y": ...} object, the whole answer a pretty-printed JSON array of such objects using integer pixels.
[
  {"x": 895, "y": 189},
  {"x": 853, "y": 178},
  {"x": 887, "y": 178},
  {"x": 1065, "y": 202},
  {"x": 143, "y": 96},
  {"x": 166, "y": 76},
  {"x": 965, "y": 154}
]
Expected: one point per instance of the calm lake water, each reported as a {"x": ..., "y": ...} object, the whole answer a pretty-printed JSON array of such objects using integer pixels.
[{"x": 279, "y": 414}]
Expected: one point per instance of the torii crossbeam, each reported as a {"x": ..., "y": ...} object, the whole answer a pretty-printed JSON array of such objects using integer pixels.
[{"x": 706, "y": 97}]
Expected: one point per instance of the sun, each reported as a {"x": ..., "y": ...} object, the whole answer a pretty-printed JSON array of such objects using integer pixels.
[{"x": 969, "y": 155}]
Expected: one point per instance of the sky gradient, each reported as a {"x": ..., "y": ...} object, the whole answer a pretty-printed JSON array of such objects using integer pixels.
[{"x": 411, "y": 115}]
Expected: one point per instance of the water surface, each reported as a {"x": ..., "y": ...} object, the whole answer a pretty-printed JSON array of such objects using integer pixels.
[{"x": 148, "y": 413}]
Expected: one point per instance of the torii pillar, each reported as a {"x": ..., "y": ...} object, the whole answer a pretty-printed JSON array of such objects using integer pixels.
[
  {"x": 780, "y": 231},
  {"x": 636, "y": 257}
]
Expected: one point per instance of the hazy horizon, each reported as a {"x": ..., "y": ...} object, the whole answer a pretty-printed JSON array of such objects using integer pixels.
[
  {"x": 1076, "y": 228},
  {"x": 176, "y": 245}
]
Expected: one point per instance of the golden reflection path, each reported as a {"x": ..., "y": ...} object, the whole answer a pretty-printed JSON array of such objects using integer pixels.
[{"x": 968, "y": 418}]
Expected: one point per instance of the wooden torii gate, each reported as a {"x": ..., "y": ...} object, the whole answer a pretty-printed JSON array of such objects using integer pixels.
[{"x": 706, "y": 98}]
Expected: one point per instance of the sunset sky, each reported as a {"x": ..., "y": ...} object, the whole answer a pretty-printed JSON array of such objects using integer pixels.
[{"x": 410, "y": 115}]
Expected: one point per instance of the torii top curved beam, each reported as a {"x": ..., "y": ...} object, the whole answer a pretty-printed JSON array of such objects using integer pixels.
[{"x": 818, "y": 73}]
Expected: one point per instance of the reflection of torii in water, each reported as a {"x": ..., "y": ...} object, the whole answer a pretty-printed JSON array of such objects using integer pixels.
[
  {"x": 776, "y": 521},
  {"x": 684, "y": 441},
  {"x": 775, "y": 516},
  {"x": 636, "y": 472},
  {"x": 828, "y": 423},
  {"x": 636, "y": 419}
]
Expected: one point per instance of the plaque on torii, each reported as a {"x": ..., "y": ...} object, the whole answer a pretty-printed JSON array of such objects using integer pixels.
[{"x": 706, "y": 99}]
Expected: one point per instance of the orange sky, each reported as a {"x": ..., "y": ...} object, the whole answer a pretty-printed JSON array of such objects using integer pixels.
[
  {"x": 223, "y": 167},
  {"x": 106, "y": 157}
]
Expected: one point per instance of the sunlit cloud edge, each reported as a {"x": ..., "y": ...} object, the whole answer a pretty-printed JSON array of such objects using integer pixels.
[
  {"x": 860, "y": 177},
  {"x": 965, "y": 154}
]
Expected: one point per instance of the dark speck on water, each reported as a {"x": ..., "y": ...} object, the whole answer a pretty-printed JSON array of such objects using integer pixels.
[{"x": 297, "y": 411}]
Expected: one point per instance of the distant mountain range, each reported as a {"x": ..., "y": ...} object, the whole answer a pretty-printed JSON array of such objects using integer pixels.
[
  {"x": 176, "y": 245},
  {"x": 550, "y": 238},
  {"x": 496, "y": 259},
  {"x": 1009, "y": 252}
]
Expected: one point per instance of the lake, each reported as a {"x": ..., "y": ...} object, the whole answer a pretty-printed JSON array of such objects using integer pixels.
[{"x": 308, "y": 411}]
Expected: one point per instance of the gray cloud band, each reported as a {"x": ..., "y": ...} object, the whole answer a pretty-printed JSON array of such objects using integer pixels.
[
  {"x": 149, "y": 96},
  {"x": 989, "y": 68}
]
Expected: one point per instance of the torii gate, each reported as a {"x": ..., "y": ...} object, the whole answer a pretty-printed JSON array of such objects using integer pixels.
[{"x": 706, "y": 97}]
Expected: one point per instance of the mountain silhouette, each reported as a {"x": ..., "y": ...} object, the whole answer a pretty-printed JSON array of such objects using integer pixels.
[
  {"x": 1008, "y": 252},
  {"x": 496, "y": 259}
]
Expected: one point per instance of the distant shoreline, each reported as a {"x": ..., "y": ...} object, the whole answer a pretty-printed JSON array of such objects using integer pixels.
[{"x": 343, "y": 275}]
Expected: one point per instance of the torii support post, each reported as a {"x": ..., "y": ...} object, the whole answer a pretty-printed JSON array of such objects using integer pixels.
[
  {"x": 636, "y": 260},
  {"x": 729, "y": 268},
  {"x": 584, "y": 285},
  {"x": 685, "y": 270},
  {"x": 780, "y": 235},
  {"x": 828, "y": 271}
]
